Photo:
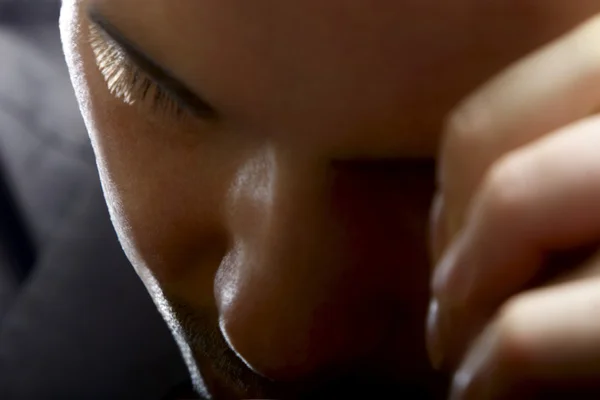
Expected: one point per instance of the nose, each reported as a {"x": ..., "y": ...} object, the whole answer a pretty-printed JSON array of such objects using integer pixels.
[{"x": 315, "y": 278}]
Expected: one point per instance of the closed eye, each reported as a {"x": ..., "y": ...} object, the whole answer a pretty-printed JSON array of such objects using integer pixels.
[{"x": 133, "y": 77}]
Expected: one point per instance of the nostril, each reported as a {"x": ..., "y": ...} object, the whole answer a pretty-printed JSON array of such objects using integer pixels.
[
  {"x": 247, "y": 318},
  {"x": 270, "y": 343},
  {"x": 286, "y": 337},
  {"x": 313, "y": 283},
  {"x": 281, "y": 333}
]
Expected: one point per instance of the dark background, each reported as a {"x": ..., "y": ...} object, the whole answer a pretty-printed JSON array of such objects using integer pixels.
[{"x": 75, "y": 322}]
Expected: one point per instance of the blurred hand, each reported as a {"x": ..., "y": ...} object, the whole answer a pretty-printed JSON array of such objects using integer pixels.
[{"x": 519, "y": 183}]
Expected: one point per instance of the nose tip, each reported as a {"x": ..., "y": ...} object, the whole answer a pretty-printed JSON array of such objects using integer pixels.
[
  {"x": 319, "y": 286},
  {"x": 273, "y": 349},
  {"x": 284, "y": 331},
  {"x": 286, "y": 346}
]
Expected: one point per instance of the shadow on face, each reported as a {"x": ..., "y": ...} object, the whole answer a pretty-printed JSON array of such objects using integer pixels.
[{"x": 269, "y": 167}]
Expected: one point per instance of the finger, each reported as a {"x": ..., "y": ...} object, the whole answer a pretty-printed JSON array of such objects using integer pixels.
[
  {"x": 553, "y": 87},
  {"x": 543, "y": 340},
  {"x": 537, "y": 199},
  {"x": 437, "y": 229},
  {"x": 452, "y": 329}
]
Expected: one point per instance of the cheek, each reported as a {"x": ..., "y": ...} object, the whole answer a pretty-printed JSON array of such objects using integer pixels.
[
  {"x": 166, "y": 193},
  {"x": 165, "y": 201},
  {"x": 164, "y": 179}
]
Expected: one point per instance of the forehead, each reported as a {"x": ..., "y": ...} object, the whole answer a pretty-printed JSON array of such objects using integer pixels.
[
  {"x": 317, "y": 69},
  {"x": 303, "y": 61},
  {"x": 294, "y": 42}
]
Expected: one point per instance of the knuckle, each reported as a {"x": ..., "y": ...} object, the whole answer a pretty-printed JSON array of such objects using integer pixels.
[
  {"x": 465, "y": 126},
  {"x": 466, "y": 143},
  {"x": 512, "y": 339},
  {"x": 587, "y": 40},
  {"x": 501, "y": 360},
  {"x": 591, "y": 30},
  {"x": 496, "y": 361},
  {"x": 504, "y": 189}
]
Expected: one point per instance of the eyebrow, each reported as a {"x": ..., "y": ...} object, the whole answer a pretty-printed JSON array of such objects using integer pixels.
[{"x": 161, "y": 75}]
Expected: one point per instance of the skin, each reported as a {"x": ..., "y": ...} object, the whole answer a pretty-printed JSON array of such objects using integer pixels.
[
  {"x": 517, "y": 317},
  {"x": 285, "y": 243}
]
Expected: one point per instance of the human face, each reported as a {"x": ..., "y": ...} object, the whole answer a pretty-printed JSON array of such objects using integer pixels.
[{"x": 278, "y": 216}]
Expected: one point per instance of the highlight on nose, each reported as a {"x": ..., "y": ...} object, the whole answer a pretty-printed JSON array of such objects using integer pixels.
[
  {"x": 282, "y": 307},
  {"x": 314, "y": 285},
  {"x": 279, "y": 314}
]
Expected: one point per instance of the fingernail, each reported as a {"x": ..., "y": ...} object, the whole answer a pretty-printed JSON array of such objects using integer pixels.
[
  {"x": 461, "y": 383},
  {"x": 476, "y": 378},
  {"x": 466, "y": 386},
  {"x": 437, "y": 228},
  {"x": 434, "y": 341},
  {"x": 442, "y": 274},
  {"x": 448, "y": 284}
]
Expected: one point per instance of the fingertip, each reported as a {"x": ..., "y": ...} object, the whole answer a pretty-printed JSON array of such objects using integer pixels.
[{"x": 435, "y": 348}]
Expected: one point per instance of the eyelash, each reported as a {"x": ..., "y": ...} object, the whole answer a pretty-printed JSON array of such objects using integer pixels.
[{"x": 128, "y": 82}]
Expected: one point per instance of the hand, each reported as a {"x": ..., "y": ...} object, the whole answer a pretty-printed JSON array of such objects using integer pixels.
[{"x": 520, "y": 182}]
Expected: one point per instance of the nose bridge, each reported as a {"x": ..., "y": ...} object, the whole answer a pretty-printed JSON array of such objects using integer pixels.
[
  {"x": 279, "y": 269},
  {"x": 275, "y": 195},
  {"x": 278, "y": 218}
]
